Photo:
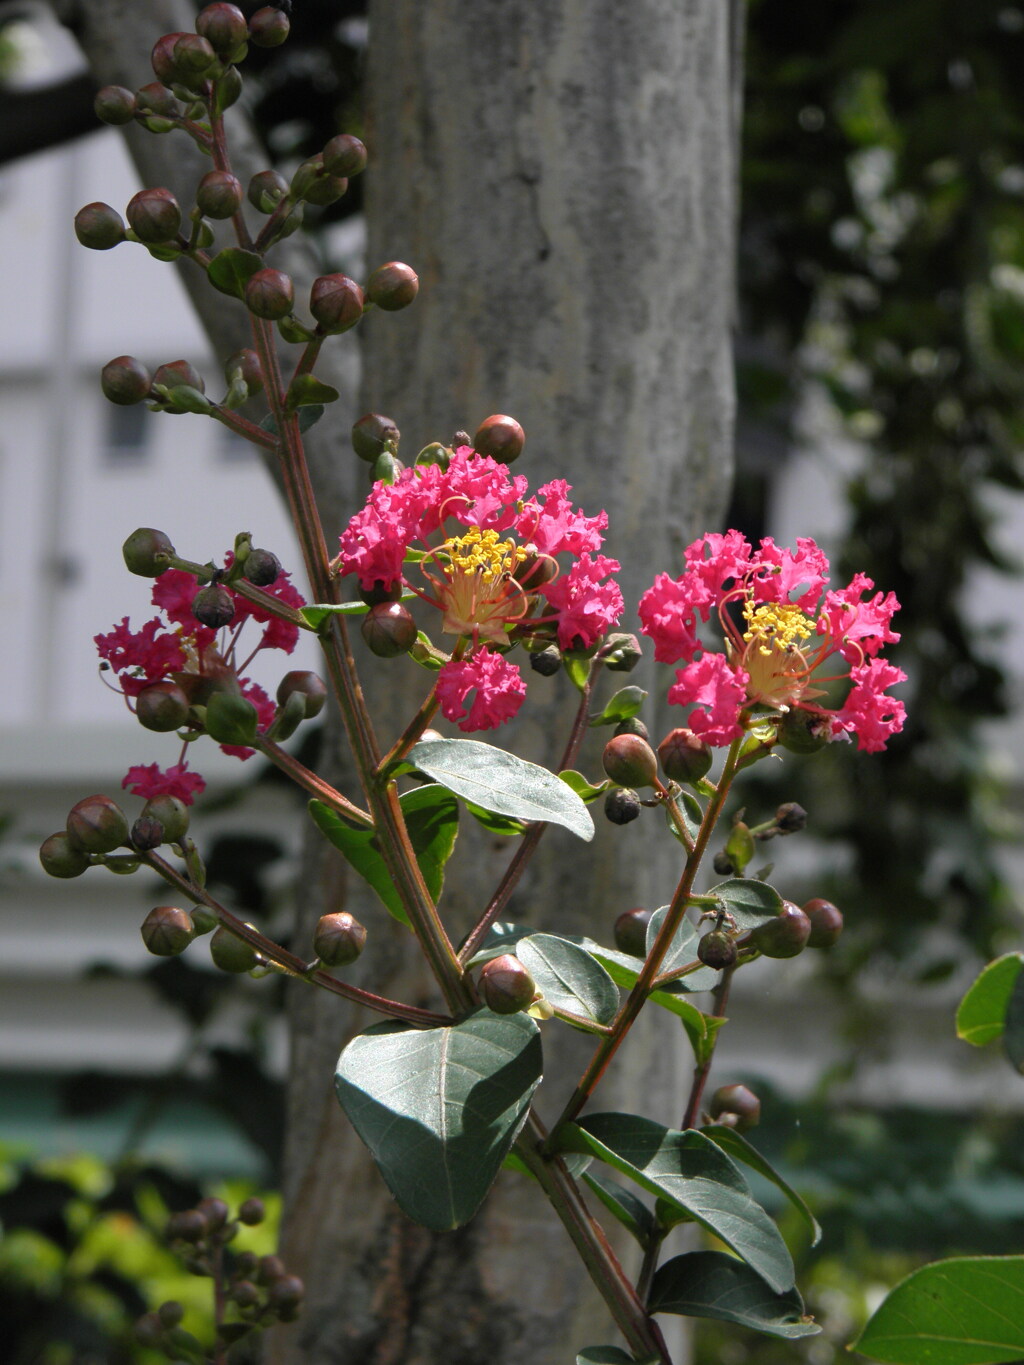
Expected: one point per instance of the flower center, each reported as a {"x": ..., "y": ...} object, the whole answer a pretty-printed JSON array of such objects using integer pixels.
[
  {"x": 479, "y": 592},
  {"x": 773, "y": 657}
]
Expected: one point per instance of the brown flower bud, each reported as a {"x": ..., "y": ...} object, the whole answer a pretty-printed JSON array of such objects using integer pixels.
[
  {"x": 506, "y": 986},
  {"x": 125, "y": 380},
  {"x": 314, "y": 184},
  {"x": 170, "y": 1313},
  {"x": 187, "y": 1226},
  {"x": 97, "y": 825},
  {"x": 215, "y": 1211},
  {"x": 791, "y": 818},
  {"x": 271, "y": 1268},
  {"x": 266, "y": 190},
  {"x": 146, "y": 833},
  {"x": 684, "y": 756},
  {"x": 717, "y": 949},
  {"x": 547, "y": 662},
  {"x": 246, "y": 363},
  {"x": 223, "y": 27},
  {"x": 309, "y": 685},
  {"x": 162, "y": 58},
  {"x": 392, "y": 286},
  {"x": 231, "y": 954},
  {"x": 61, "y": 858},
  {"x": 371, "y": 434},
  {"x": 381, "y": 592},
  {"x": 154, "y": 216},
  {"x": 252, "y": 1212},
  {"x": 219, "y": 194},
  {"x": 802, "y": 732},
  {"x": 738, "y": 1101},
  {"x": 784, "y": 935},
  {"x": 270, "y": 294},
  {"x": 192, "y": 57},
  {"x": 826, "y": 922},
  {"x": 155, "y": 98},
  {"x": 269, "y": 27},
  {"x": 339, "y": 939},
  {"x": 629, "y": 760},
  {"x": 500, "y": 437},
  {"x": 621, "y": 653},
  {"x": 99, "y": 227},
  {"x": 114, "y": 104},
  {"x": 631, "y": 931},
  {"x": 389, "y": 630},
  {"x": 337, "y": 303},
  {"x": 261, "y": 568},
  {"x": 213, "y": 606},
  {"x": 167, "y": 931},
  {"x": 162, "y": 707},
  {"x": 344, "y": 155},
  {"x": 633, "y": 726},
  {"x": 621, "y": 805},
  {"x": 175, "y": 373},
  {"x": 148, "y": 1330},
  {"x": 285, "y": 1297},
  {"x": 245, "y": 1294},
  {"x": 172, "y": 814}
]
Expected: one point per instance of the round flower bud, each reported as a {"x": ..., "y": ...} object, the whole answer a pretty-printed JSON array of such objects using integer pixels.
[
  {"x": 97, "y": 825},
  {"x": 684, "y": 756},
  {"x": 148, "y": 1330},
  {"x": 171, "y": 813},
  {"x": 629, "y": 761},
  {"x": 784, "y": 935},
  {"x": 252, "y": 1212},
  {"x": 392, "y": 286},
  {"x": 791, "y": 818},
  {"x": 146, "y": 833},
  {"x": 167, "y": 931},
  {"x": 114, "y": 104},
  {"x": 633, "y": 726},
  {"x": 99, "y": 227},
  {"x": 318, "y": 187},
  {"x": 389, "y": 630},
  {"x": 826, "y": 922},
  {"x": 154, "y": 216},
  {"x": 219, "y": 194},
  {"x": 717, "y": 949},
  {"x": 336, "y": 302},
  {"x": 213, "y": 606},
  {"x": 244, "y": 1293},
  {"x": 621, "y": 805},
  {"x": 631, "y": 931},
  {"x": 269, "y": 27},
  {"x": 506, "y": 986},
  {"x": 285, "y": 1296},
  {"x": 269, "y": 294},
  {"x": 261, "y": 568},
  {"x": 500, "y": 437},
  {"x": 547, "y": 662},
  {"x": 309, "y": 685},
  {"x": 187, "y": 1226},
  {"x": 381, "y": 592},
  {"x": 125, "y": 380},
  {"x": 162, "y": 707},
  {"x": 178, "y": 372},
  {"x": 170, "y": 1313},
  {"x": 339, "y": 939},
  {"x": 266, "y": 190},
  {"x": 162, "y": 58},
  {"x": 215, "y": 1212},
  {"x": 223, "y": 27},
  {"x": 155, "y": 98},
  {"x": 146, "y": 553},
  {"x": 739, "y": 1102},
  {"x": 247, "y": 363},
  {"x": 271, "y": 1268},
  {"x": 371, "y": 434},
  {"x": 621, "y": 652},
  {"x": 192, "y": 57},
  {"x": 802, "y": 732},
  {"x": 344, "y": 155},
  {"x": 231, "y": 954},
  {"x": 723, "y": 864},
  {"x": 60, "y": 857}
]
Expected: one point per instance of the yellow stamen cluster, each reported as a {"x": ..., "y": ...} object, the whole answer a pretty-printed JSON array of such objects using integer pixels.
[
  {"x": 776, "y": 626},
  {"x": 482, "y": 553}
]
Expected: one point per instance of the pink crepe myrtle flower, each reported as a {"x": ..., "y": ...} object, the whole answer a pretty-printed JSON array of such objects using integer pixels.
[
  {"x": 473, "y": 543},
  {"x": 780, "y": 625},
  {"x": 175, "y": 647}
]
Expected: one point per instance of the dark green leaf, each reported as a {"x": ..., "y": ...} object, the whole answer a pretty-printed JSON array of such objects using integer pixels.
[
  {"x": 632, "y": 1213},
  {"x": 440, "y": 1108},
  {"x": 1013, "y": 1038},
  {"x": 696, "y": 1176},
  {"x": 568, "y": 977},
  {"x": 502, "y": 783},
  {"x": 431, "y": 816},
  {"x": 308, "y": 417},
  {"x": 709, "y": 1284},
  {"x": 230, "y": 719},
  {"x": 965, "y": 1311},
  {"x": 749, "y": 902},
  {"x": 308, "y": 389},
  {"x": 740, "y": 1149},
  {"x": 623, "y": 706},
  {"x": 981, "y": 1017},
  {"x": 682, "y": 949},
  {"x": 231, "y": 270}
]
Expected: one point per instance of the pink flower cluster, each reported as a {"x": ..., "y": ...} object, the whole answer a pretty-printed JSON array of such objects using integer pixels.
[
  {"x": 780, "y": 625},
  {"x": 486, "y": 557},
  {"x": 175, "y": 647}
]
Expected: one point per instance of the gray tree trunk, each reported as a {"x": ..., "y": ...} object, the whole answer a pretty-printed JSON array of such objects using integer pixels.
[{"x": 563, "y": 177}]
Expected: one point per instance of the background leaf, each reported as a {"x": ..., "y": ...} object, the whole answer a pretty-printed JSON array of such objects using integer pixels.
[
  {"x": 632, "y": 1213},
  {"x": 709, "y": 1284},
  {"x": 568, "y": 977}
]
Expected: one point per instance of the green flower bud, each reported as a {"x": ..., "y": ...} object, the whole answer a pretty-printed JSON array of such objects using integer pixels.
[
  {"x": 246, "y": 363},
  {"x": 337, "y": 304},
  {"x": 266, "y": 190},
  {"x": 193, "y": 59},
  {"x": 802, "y": 732},
  {"x": 311, "y": 687},
  {"x": 344, "y": 155},
  {"x": 167, "y": 931},
  {"x": 633, "y": 726},
  {"x": 99, "y": 227},
  {"x": 245, "y": 1294},
  {"x": 339, "y": 939},
  {"x": 61, "y": 858},
  {"x": 232, "y": 954},
  {"x": 790, "y": 818},
  {"x": 215, "y": 1211},
  {"x": 371, "y": 434},
  {"x": 389, "y": 630},
  {"x": 115, "y": 105},
  {"x": 500, "y": 437},
  {"x": 392, "y": 286},
  {"x": 269, "y": 27},
  {"x": 219, "y": 194},
  {"x": 738, "y": 1102},
  {"x": 179, "y": 373},
  {"x": 155, "y": 98},
  {"x": 223, "y": 27},
  {"x": 154, "y": 216},
  {"x": 172, "y": 814},
  {"x": 506, "y": 986},
  {"x": 621, "y": 653},
  {"x": 547, "y": 662},
  {"x": 269, "y": 294},
  {"x": 97, "y": 825},
  {"x": 630, "y": 761},
  {"x": 125, "y": 380},
  {"x": 631, "y": 931},
  {"x": 170, "y": 1313},
  {"x": 162, "y": 707},
  {"x": 312, "y": 183}
]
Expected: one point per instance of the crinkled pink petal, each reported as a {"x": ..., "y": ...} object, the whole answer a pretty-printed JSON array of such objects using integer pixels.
[
  {"x": 587, "y": 605},
  {"x": 149, "y": 781},
  {"x": 711, "y": 563},
  {"x": 143, "y": 657},
  {"x": 481, "y": 492},
  {"x": 779, "y": 572},
  {"x": 858, "y": 628},
  {"x": 668, "y": 616},
  {"x": 174, "y": 592},
  {"x": 554, "y": 525},
  {"x": 717, "y": 691},
  {"x": 278, "y": 634},
  {"x": 498, "y": 686},
  {"x": 869, "y": 713}
]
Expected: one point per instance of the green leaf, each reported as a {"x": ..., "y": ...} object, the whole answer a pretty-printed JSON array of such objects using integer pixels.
[
  {"x": 737, "y": 1146},
  {"x": 578, "y": 669},
  {"x": 585, "y": 790},
  {"x": 632, "y": 1213},
  {"x": 682, "y": 949},
  {"x": 316, "y": 613},
  {"x": 306, "y": 389},
  {"x": 230, "y": 719},
  {"x": 502, "y": 783},
  {"x": 1013, "y": 1039},
  {"x": 624, "y": 705},
  {"x": 440, "y": 1108},
  {"x": 431, "y": 816},
  {"x": 709, "y": 1284},
  {"x": 308, "y": 417},
  {"x": 965, "y": 1311},
  {"x": 981, "y": 1017},
  {"x": 749, "y": 902},
  {"x": 694, "y": 1175},
  {"x": 691, "y": 811},
  {"x": 606, "y": 1355},
  {"x": 496, "y": 824},
  {"x": 231, "y": 270},
  {"x": 568, "y": 977},
  {"x": 292, "y": 330}
]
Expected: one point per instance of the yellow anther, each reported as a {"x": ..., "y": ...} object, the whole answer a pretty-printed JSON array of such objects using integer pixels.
[
  {"x": 483, "y": 554},
  {"x": 775, "y": 626}
]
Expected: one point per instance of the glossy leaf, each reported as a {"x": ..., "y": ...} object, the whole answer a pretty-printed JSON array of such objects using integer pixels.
[
  {"x": 709, "y": 1284},
  {"x": 964, "y": 1311},
  {"x": 432, "y": 818},
  {"x": 749, "y": 902},
  {"x": 981, "y": 1017},
  {"x": 682, "y": 949},
  {"x": 500, "y": 782},
  {"x": 624, "y": 705},
  {"x": 316, "y": 613},
  {"x": 568, "y": 977},
  {"x": 737, "y": 1146},
  {"x": 632, "y": 1213},
  {"x": 694, "y": 1175},
  {"x": 1013, "y": 1038},
  {"x": 231, "y": 269},
  {"x": 307, "y": 389},
  {"x": 585, "y": 790},
  {"x": 439, "y": 1109}
]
